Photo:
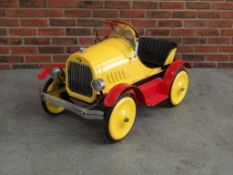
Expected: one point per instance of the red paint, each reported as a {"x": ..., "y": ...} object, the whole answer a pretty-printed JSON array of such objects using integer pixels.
[
  {"x": 45, "y": 72},
  {"x": 150, "y": 93},
  {"x": 170, "y": 74},
  {"x": 116, "y": 91}
]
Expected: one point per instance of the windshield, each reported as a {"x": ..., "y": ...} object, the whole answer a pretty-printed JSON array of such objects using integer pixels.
[{"x": 123, "y": 31}]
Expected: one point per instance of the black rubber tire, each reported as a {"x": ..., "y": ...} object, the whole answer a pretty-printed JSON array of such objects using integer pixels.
[
  {"x": 44, "y": 106},
  {"x": 107, "y": 118},
  {"x": 169, "y": 98}
]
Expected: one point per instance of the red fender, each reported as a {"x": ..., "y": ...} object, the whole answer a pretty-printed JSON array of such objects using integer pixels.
[
  {"x": 45, "y": 72},
  {"x": 171, "y": 73},
  {"x": 138, "y": 93},
  {"x": 116, "y": 91}
]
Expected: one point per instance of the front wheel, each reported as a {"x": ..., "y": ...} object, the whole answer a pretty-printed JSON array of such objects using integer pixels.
[
  {"x": 120, "y": 118},
  {"x": 179, "y": 88},
  {"x": 54, "y": 88}
]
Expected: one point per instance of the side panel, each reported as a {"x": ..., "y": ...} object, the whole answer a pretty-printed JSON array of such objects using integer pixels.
[
  {"x": 129, "y": 72},
  {"x": 149, "y": 93}
]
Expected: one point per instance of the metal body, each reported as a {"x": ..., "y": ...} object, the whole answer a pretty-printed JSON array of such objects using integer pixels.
[{"x": 115, "y": 62}]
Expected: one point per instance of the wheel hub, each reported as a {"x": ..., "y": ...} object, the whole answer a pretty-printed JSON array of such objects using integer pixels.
[{"x": 126, "y": 119}]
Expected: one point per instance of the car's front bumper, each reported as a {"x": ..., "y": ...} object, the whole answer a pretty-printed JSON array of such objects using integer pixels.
[{"x": 81, "y": 111}]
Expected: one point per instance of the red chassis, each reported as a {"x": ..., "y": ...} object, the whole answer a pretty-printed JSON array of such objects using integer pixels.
[{"x": 149, "y": 93}]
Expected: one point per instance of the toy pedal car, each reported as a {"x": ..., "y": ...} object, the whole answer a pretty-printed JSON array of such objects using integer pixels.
[{"x": 109, "y": 78}]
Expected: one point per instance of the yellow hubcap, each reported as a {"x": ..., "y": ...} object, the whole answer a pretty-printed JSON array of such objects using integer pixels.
[
  {"x": 51, "y": 107},
  {"x": 122, "y": 118},
  {"x": 179, "y": 87}
]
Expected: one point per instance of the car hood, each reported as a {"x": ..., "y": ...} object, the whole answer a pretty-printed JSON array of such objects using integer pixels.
[{"x": 105, "y": 54}]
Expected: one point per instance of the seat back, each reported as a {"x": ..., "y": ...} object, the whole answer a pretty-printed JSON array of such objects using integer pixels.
[{"x": 154, "y": 52}]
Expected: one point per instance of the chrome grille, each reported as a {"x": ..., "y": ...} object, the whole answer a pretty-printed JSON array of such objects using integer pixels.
[{"x": 79, "y": 79}]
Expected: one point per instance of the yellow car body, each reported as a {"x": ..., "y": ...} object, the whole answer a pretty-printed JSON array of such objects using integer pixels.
[
  {"x": 112, "y": 76},
  {"x": 114, "y": 61}
]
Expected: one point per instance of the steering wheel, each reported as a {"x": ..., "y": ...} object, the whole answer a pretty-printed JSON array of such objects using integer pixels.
[{"x": 112, "y": 23}]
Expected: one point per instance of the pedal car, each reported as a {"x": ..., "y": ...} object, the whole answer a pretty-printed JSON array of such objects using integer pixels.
[{"x": 109, "y": 79}]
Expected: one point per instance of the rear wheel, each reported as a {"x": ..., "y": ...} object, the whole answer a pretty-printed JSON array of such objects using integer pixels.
[
  {"x": 56, "y": 89},
  {"x": 179, "y": 87},
  {"x": 120, "y": 118}
]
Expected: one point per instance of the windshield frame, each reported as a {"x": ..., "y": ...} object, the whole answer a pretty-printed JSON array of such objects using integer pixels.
[{"x": 121, "y": 29}]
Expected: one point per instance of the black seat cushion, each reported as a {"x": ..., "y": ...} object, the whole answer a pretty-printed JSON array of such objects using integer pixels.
[{"x": 153, "y": 52}]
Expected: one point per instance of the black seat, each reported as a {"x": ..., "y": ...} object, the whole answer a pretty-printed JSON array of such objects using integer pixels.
[{"x": 153, "y": 52}]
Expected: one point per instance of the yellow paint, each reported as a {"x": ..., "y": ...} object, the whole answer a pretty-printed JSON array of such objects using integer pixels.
[
  {"x": 112, "y": 60},
  {"x": 170, "y": 57},
  {"x": 122, "y": 118},
  {"x": 179, "y": 87},
  {"x": 51, "y": 107}
]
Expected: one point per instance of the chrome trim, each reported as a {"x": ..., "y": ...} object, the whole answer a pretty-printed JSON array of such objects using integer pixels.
[
  {"x": 136, "y": 49},
  {"x": 81, "y": 111},
  {"x": 101, "y": 82},
  {"x": 79, "y": 79},
  {"x": 54, "y": 73},
  {"x": 82, "y": 50}
]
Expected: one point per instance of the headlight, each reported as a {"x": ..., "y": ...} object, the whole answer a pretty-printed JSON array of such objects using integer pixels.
[
  {"x": 54, "y": 73},
  {"x": 97, "y": 85}
]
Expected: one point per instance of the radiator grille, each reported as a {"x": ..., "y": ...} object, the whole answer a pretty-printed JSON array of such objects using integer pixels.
[{"x": 79, "y": 79}]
